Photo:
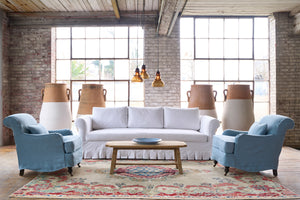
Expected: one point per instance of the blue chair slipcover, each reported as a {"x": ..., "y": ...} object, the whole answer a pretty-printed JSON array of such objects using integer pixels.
[
  {"x": 251, "y": 152},
  {"x": 40, "y": 150}
]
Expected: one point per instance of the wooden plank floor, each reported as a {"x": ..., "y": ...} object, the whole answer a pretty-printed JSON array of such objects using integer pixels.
[{"x": 10, "y": 181}]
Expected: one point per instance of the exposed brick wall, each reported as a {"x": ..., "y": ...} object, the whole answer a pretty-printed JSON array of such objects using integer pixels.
[
  {"x": 287, "y": 75},
  {"x": 29, "y": 67},
  {"x": 169, "y": 67},
  {"x": 7, "y": 136}
]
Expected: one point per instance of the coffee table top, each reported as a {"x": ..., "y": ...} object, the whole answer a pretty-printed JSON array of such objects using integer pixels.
[{"x": 134, "y": 145}]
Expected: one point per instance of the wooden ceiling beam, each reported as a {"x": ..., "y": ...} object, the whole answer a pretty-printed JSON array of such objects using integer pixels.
[{"x": 116, "y": 8}]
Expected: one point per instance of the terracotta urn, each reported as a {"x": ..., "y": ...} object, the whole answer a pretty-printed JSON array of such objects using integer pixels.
[
  {"x": 91, "y": 95},
  {"x": 55, "y": 111},
  {"x": 203, "y": 97},
  {"x": 238, "y": 111}
]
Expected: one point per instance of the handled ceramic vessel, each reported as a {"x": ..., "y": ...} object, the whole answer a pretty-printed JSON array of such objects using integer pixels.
[
  {"x": 55, "y": 112},
  {"x": 238, "y": 108},
  {"x": 91, "y": 95},
  {"x": 203, "y": 97}
]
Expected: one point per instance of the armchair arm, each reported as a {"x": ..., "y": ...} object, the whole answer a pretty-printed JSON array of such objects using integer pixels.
[
  {"x": 231, "y": 132},
  {"x": 84, "y": 125},
  {"x": 63, "y": 132},
  {"x": 209, "y": 126},
  {"x": 257, "y": 147}
]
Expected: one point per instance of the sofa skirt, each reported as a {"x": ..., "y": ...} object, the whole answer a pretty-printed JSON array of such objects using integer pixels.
[{"x": 193, "y": 151}]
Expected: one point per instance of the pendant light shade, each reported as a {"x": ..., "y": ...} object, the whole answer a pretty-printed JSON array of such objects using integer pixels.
[
  {"x": 137, "y": 77},
  {"x": 144, "y": 73},
  {"x": 157, "y": 81}
]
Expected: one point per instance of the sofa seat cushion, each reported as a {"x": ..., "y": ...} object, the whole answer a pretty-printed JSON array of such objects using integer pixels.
[
  {"x": 72, "y": 143},
  {"x": 224, "y": 143},
  {"x": 131, "y": 133}
]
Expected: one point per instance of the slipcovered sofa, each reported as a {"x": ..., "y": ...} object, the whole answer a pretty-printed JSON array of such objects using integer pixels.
[{"x": 127, "y": 123}]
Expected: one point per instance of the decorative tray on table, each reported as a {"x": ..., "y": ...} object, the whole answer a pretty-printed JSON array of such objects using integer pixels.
[{"x": 146, "y": 140}]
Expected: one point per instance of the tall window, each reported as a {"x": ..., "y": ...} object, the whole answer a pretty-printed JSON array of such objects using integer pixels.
[
  {"x": 105, "y": 55},
  {"x": 226, "y": 50}
]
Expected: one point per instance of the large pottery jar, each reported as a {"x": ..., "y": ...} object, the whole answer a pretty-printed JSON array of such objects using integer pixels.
[
  {"x": 238, "y": 108},
  {"x": 203, "y": 97},
  {"x": 55, "y": 111},
  {"x": 91, "y": 95}
]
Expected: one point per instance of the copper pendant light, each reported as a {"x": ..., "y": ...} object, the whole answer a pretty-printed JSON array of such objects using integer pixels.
[
  {"x": 137, "y": 76},
  {"x": 157, "y": 81},
  {"x": 144, "y": 73}
]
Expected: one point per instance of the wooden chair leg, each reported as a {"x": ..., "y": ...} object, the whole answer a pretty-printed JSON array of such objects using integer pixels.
[
  {"x": 21, "y": 172},
  {"x": 70, "y": 170},
  {"x": 275, "y": 173},
  {"x": 226, "y": 170},
  {"x": 78, "y": 165},
  {"x": 215, "y": 163}
]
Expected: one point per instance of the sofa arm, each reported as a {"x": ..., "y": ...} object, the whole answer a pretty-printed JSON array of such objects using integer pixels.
[
  {"x": 209, "y": 126},
  {"x": 84, "y": 126}
]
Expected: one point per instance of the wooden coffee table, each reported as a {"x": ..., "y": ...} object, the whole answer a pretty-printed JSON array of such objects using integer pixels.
[{"x": 163, "y": 145}]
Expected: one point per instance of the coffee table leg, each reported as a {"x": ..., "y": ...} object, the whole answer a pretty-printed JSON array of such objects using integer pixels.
[
  {"x": 178, "y": 160},
  {"x": 113, "y": 161}
]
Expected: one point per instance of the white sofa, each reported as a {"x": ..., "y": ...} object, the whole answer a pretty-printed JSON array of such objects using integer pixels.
[{"x": 127, "y": 123}]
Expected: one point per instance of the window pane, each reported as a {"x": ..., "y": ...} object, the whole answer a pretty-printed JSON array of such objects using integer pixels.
[
  {"x": 216, "y": 70},
  {"x": 219, "y": 87},
  {"x": 78, "y": 32},
  {"x": 246, "y": 70},
  {"x": 216, "y": 28},
  {"x": 216, "y": 48},
  {"x": 261, "y": 70},
  {"x": 187, "y": 69},
  {"x": 107, "y": 69},
  {"x": 201, "y": 69},
  {"x": 92, "y": 48},
  {"x": 107, "y": 48},
  {"x": 110, "y": 95},
  {"x": 107, "y": 32},
  {"x": 63, "y": 70},
  {"x": 261, "y": 48},
  {"x": 92, "y": 69},
  {"x": 121, "y": 69},
  {"x": 121, "y": 32},
  {"x": 187, "y": 27},
  {"x": 75, "y": 106},
  {"x": 133, "y": 32},
  {"x": 121, "y": 48},
  {"x": 185, "y": 86},
  {"x": 261, "y": 27},
  {"x": 121, "y": 103},
  {"x": 187, "y": 48},
  {"x": 260, "y": 110},
  {"x": 231, "y": 70},
  {"x": 63, "y": 49},
  {"x": 245, "y": 28},
  {"x": 76, "y": 86},
  {"x": 137, "y": 104},
  {"x": 231, "y": 28},
  {"x": 63, "y": 32},
  {"x": 201, "y": 26},
  {"x": 78, "y": 70},
  {"x": 133, "y": 48},
  {"x": 140, "y": 48},
  {"x": 121, "y": 91},
  {"x": 136, "y": 91},
  {"x": 78, "y": 48},
  {"x": 231, "y": 48},
  {"x": 92, "y": 32},
  {"x": 245, "y": 48},
  {"x": 201, "y": 48},
  {"x": 261, "y": 91}
]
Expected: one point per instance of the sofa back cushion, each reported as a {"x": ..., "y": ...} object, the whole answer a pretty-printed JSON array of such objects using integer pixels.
[
  {"x": 147, "y": 117},
  {"x": 182, "y": 118},
  {"x": 109, "y": 117}
]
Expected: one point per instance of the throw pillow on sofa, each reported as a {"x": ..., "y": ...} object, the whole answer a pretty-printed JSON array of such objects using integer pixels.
[
  {"x": 109, "y": 117},
  {"x": 182, "y": 118},
  {"x": 145, "y": 117}
]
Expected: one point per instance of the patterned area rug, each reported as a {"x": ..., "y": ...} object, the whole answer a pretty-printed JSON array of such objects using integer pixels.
[{"x": 200, "y": 180}]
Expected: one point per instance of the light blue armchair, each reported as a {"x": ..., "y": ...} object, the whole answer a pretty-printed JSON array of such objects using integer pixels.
[
  {"x": 255, "y": 150},
  {"x": 40, "y": 150}
]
